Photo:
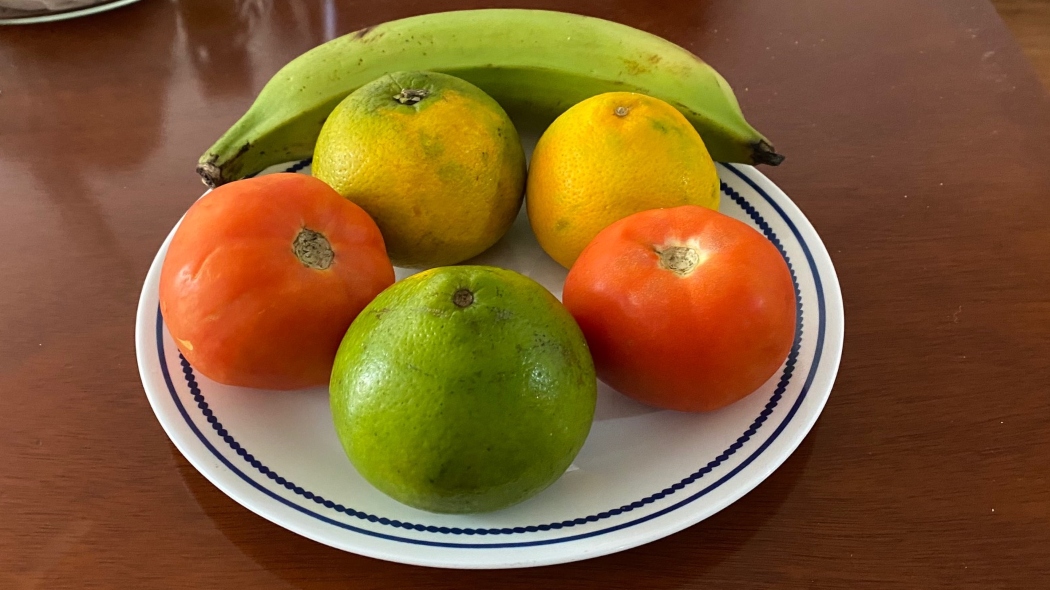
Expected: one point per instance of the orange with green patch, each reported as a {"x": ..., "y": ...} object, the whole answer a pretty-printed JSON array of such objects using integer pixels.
[{"x": 433, "y": 159}]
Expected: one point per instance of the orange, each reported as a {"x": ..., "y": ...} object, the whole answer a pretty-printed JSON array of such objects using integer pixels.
[
  {"x": 608, "y": 157},
  {"x": 463, "y": 389},
  {"x": 433, "y": 159}
]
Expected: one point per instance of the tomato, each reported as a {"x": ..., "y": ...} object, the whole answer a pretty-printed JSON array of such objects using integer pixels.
[
  {"x": 685, "y": 308},
  {"x": 263, "y": 277}
]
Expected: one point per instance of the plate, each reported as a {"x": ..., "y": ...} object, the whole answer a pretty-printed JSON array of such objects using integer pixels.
[
  {"x": 12, "y": 17},
  {"x": 643, "y": 474}
]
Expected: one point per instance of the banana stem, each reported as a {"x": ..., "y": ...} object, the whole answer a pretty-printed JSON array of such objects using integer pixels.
[{"x": 211, "y": 175}]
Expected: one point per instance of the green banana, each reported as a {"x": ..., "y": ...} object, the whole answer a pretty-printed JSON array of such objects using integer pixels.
[{"x": 535, "y": 63}]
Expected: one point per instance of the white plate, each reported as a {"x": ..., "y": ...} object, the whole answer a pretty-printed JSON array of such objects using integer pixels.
[
  {"x": 642, "y": 475},
  {"x": 65, "y": 14}
]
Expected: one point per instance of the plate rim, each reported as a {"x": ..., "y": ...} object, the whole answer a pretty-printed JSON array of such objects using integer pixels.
[
  {"x": 829, "y": 305},
  {"x": 67, "y": 14}
]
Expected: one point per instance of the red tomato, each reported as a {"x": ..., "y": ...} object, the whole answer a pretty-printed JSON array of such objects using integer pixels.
[
  {"x": 264, "y": 276},
  {"x": 684, "y": 308}
]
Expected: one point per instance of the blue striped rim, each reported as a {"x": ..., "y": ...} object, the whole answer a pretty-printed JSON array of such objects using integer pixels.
[{"x": 774, "y": 400}]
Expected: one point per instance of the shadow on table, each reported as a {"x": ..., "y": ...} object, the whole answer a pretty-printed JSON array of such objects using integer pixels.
[{"x": 309, "y": 565}]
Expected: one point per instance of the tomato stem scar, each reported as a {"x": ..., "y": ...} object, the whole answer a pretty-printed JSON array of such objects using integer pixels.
[
  {"x": 312, "y": 249},
  {"x": 680, "y": 260}
]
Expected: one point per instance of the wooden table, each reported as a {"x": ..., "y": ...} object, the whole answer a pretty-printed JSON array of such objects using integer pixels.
[{"x": 917, "y": 140}]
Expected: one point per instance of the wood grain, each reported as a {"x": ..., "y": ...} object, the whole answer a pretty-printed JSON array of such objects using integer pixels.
[
  {"x": 914, "y": 133},
  {"x": 1029, "y": 21}
]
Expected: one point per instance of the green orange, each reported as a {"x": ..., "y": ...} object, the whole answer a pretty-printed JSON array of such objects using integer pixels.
[{"x": 463, "y": 389}]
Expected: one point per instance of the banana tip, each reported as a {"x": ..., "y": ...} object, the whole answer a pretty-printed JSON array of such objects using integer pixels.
[{"x": 763, "y": 153}]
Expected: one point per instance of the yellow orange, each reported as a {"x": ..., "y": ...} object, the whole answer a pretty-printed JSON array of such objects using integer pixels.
[{"x": 608, "y": 157}]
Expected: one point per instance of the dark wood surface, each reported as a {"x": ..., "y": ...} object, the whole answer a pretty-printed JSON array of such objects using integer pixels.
[
  {"x": 1029, "y": 21},
  {"x": 916, "y": 137}
]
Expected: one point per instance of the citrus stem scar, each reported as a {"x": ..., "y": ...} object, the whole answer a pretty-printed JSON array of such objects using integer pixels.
[
  {"x": 313, "y": 249},
  {"x": 463, "y": 298},
  {"x": 621, "y": 111},
  {"x": 411, "y": 95},
  {"x": 680, "y": 260}
]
